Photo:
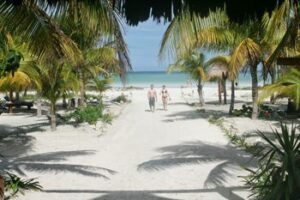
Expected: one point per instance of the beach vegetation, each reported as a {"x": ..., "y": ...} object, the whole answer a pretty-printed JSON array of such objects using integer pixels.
[
  {"x": 278, "y": 172},
  {"x": 90, "y": 114},
  {"x": 16, "y": 186},
  {"x": 121, "y": 99}
]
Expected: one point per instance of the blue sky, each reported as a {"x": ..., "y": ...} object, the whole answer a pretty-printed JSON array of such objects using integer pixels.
[{"x": 143, "y": 43}]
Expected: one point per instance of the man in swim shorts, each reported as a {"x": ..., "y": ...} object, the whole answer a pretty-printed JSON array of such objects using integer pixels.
[{"x": 152, "y": 97}]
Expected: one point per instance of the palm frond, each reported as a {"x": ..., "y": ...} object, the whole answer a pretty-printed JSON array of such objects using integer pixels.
[{"x": 247, "y": 52}]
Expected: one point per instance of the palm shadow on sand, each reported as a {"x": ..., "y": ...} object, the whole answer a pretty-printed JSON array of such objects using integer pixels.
[
  {"x": 53, "y": 162},
  {"x": 193, "y": 153}
]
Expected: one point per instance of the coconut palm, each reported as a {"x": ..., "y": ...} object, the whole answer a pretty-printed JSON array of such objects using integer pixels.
[
  {"x": 215, "y": 32},
  {"x": 192, "y": 64}
]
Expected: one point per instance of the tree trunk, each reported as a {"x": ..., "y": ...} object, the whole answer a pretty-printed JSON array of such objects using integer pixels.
[
  {"x": 273, "y": 78},
  {"x": 200, "y": 92},
  {"x": 82, "y": 88},
  {"x": 53, "y": 116},
  {"x": 253, "y": 71},
  {"x": 224, "y": 89},
  {"x": 64, "y": 104},
  {"x": 1, "y": 188},
  {"x": 219, "y": 92},
  {"x": 17, "y": 96},
  {"x": 39, "y": 107},
  {"x": 232, "y": 97},
  {"x": 11, "y": 95}
]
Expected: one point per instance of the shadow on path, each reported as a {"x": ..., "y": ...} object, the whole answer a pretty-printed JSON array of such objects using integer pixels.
[
  {"x": 226, "y": 192},
  {"x": 49, "y": 162},
  {"x": 192, "y": 153}
]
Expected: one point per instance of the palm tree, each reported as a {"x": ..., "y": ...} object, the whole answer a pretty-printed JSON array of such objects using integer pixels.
[
  {"x": 39, "y": 22},
  {"x": 54, "y": 80},
  {"x": 192, "y": 64},
  {"x": 215, "y": 32}
]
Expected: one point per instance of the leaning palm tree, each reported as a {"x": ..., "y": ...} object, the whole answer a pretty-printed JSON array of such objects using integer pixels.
[{"x": 192, "y": 64}]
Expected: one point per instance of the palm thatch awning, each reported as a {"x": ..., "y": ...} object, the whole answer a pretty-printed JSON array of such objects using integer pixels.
[
  {"x": 217, "y": 71},
  {"x": 135, "y": 11}
]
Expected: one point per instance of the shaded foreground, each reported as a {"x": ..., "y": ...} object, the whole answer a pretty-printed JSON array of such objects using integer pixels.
[{"x": 159, "y": 156}]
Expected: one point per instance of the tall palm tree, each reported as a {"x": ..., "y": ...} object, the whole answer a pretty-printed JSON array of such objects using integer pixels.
[{"x": 192, "y": 64}]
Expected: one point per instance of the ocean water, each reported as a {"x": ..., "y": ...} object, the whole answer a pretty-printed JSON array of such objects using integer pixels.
[{"x": 177, "y": 79}]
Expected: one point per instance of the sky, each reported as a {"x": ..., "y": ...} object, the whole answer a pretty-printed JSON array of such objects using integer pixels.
[{"x": 143, "y": 43}]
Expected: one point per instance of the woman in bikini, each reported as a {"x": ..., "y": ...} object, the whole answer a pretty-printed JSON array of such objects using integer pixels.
[{"x": 165, "y": 97}]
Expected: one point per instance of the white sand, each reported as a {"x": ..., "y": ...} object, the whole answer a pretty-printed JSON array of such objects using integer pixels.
[{"x": 165, "y": 155}]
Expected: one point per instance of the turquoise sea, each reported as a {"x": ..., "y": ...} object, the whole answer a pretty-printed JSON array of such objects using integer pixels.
[{"x": 144, "y": 79}]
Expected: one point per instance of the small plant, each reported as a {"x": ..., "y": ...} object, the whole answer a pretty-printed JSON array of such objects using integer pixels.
[
  {"x": 265, "y": 112},
  {"x": 278, "y": 173},
  {"x": 89, "y": 114},
  {"x": 15, "y": 185},
  {"x": 120, "y": 99}
]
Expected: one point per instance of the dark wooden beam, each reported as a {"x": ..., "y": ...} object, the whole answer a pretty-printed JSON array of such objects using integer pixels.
[{"x": 292, "y": 61}]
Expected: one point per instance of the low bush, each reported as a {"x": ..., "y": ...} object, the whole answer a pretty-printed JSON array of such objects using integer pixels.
[
  {"x": 89, "y": 114},
  {"x": 120, "y": 99},
  {"x": 265, "y": 112}
]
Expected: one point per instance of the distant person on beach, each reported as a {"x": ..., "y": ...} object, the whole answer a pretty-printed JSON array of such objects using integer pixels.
[
  {"x": 152, "y": 97},
  {"x": 165, "y": 97}
]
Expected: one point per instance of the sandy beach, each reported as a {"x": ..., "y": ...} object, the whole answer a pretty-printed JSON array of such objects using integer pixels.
[{"x": 174, "y": 154}]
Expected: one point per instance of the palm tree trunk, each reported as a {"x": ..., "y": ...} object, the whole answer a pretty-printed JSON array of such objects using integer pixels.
[
  {"x": 82, "y": 88},
  {"x": 64, "y": 104},
  {"x": 232, "y": 97},
  {"x": 53, "y": 116},
  {"x": 1, "y": 188},
  {"x": 219, "y": 92},
  {"x": 17, "y": 96},
  {"x": 224, "y": 90},
  {"x": 273, "y": 78},
  {"x": 39, "y": 107},
  {"x": 253, "y": 71},
  {"x": 200, "y": 92}
]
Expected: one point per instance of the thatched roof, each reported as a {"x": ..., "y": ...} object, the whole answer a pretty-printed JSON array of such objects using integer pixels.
[
  {"x": 135, "y": 11},
  {"x": 217, "y": 71}
]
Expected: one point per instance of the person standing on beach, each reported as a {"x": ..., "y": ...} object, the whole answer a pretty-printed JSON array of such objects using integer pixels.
[
  {"x": 152, "y": 97},
  {"x": 165, "y": 97}
]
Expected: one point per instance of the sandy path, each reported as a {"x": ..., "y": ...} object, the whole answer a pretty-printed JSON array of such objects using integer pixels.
[{"x": 144, "y": 156}]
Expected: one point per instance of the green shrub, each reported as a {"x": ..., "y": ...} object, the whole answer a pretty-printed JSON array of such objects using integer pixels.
[
  {"x": 120, "y": 99},
  {"x": 89, "y": 114},
  {"x": 265, "y": 112},
  {"x": 15, "y": 185},
  {"x": 278, "y": 173}
]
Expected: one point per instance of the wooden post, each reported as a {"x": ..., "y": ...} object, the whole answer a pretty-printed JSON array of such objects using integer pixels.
[{"x": 1, "y": 188}]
